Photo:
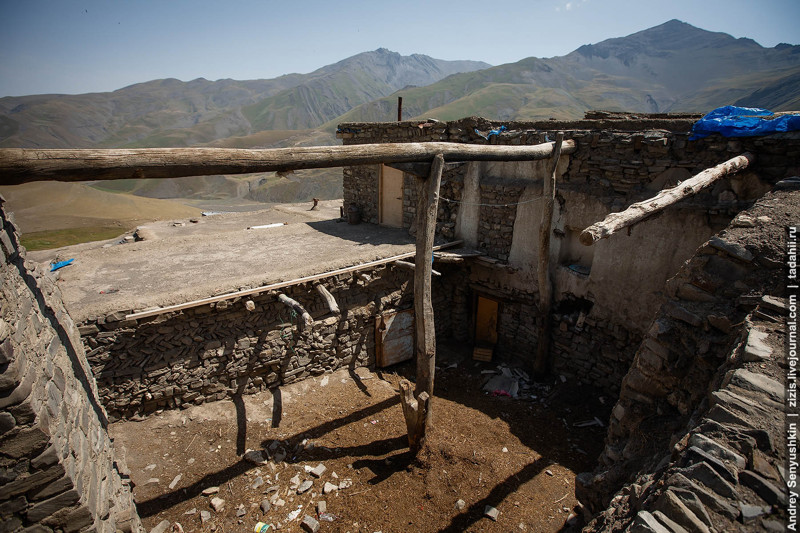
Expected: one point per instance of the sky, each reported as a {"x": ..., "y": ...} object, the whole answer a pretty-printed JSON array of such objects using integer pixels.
[{"x": 72, "y": 47}]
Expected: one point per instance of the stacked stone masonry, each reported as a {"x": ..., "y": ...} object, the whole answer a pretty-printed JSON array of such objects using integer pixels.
[
  {"x": 617, "y": 162},
  {"x": 696, "y": 437},
  {"x": 58, "y": 468},
  {"x": 245, "y": 345}
]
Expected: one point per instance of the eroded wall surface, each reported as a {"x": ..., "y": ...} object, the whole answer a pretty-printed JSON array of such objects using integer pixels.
[{"x": 58, "y": 468}]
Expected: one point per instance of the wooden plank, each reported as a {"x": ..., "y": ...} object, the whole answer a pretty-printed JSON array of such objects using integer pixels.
[
  {"x": 278, "y": 285},
  {"x": 390, "y": 207},
  {"x": 486, "y": 321},
  {"x": 541, "y": 362},
  {"x": 641, "y": 210},
  {"x": 23, "y": 165},
  {"x": 394, "y": 338}
]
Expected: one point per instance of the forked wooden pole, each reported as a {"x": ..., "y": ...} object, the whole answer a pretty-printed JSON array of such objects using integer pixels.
[
  {"x": 416, "y": 406},
  {"x": 541, "y": 363},
  {"x": 641, "y": 210}
]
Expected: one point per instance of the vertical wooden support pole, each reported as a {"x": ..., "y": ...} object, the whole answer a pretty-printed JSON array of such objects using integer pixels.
[
  {"x": 542, "y": 362},
  {"x": 416, "y": 406}
]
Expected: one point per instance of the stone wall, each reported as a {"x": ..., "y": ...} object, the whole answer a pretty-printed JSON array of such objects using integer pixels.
[
  {"x": 699, "y": 421},
  {"x": 494, "y": 207},
  {"x": 58, "y": 469},
  {"x": 248, "y": 344}
]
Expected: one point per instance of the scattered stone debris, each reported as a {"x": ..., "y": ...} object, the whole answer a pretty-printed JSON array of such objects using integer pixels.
[
  {"x": 491, "y": 512},
  {"x": 329, "y": 487},
  {"x": 256, "y": 457},
  {"x": 205, "y": 516},
  {"x": 175, "y": 481},
  {"x": 461, "y": 504},
  {"x": 318, "y": 470},
  {"x": 210, "y": 490},
  {"x": 161, "y": 527},
  {"x": 265, "y": 506},
  {"x": 310, "y": 524},
  {"x": 218, "y": 504},
  {"x": 305, "y": 486}
]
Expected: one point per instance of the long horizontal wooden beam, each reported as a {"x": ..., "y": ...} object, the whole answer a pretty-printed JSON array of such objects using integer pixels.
[
  {"x": 279, "y": 284},
  {"x": 641, "y": 210},
  {"x": 22, "y": 165}
]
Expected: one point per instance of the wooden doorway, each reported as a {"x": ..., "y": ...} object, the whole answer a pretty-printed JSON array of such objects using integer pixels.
[
  {"x": 391, "y": 197},
  {"x": 394, "y": 338},
  {"x": 486, "y": 314}
]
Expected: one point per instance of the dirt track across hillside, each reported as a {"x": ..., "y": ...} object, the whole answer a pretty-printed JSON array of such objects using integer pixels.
[{"x": 180, "y": 261}]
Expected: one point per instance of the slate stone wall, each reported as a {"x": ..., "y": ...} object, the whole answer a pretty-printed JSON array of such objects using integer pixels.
[
  {"x": 248, "y": 344},
  {"x": 58, "y": 468},
  {"x": 699, "y": 422},
  {"x": 617, "y": 162}
]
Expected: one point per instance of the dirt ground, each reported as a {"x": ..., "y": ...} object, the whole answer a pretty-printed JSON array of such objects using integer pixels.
[{"x": 517, "y": 455}]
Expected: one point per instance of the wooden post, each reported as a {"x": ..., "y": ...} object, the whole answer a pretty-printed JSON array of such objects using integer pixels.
[
  {"x": 330, "y": 301},
  {"x": 399, "y": 108},
  {"x": 23, "y": 165},
  {"x": 641, "y": 210},
  {"x": 417, "y": 406},
  {"x": 306, "y": 319},
  {"x": 542, "y": 361}
]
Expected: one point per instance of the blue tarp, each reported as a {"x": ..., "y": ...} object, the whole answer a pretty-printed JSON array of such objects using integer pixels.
[
  {"x": 61, "y": 264},
  {"x": 732, "y": 121}
]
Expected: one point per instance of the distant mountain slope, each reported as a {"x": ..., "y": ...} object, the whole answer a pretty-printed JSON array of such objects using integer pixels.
[
  {"x": 174, "y": 113},
  {"x": 335, "y": 89},
  {"x": 671, "y": 67}
]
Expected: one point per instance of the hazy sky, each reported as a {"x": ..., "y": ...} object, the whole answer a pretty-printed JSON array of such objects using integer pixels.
[{"x": 69, "y": 46}]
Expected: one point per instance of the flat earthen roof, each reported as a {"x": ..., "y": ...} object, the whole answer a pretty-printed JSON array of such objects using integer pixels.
[{"x": 181, "y": 261}]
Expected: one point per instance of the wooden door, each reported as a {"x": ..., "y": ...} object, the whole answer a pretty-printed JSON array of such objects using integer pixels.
[
  {"x": 394, "y": 338},
  {"x": 391, "y": 193},
  {"x": 486, "y": 321}
]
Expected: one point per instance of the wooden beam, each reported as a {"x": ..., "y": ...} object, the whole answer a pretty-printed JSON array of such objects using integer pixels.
[
  {"x": 330, "y": 301},
  {"x": 278, "y": 285},
  {"x": 641, "y": 210},
  {"x": 299, "y": 309},
  {"x": 425, "y": 349},
  {"x": 411, "y": 266},
  {"x": 421, "y": 170},
  {"x": 22, "y": 165},
  {"x": 542, "y": 362}
]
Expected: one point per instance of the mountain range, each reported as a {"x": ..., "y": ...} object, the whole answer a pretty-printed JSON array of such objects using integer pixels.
[
  {"x": 673, "y": 67},
  {"x": 169, "y": 112}
]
